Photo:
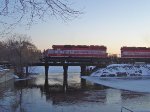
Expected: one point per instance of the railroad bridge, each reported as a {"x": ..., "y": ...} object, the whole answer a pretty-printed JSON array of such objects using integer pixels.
[{"x": 83, "y": 63}]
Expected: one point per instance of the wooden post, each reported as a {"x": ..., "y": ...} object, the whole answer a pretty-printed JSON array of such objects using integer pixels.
[{"x": 65, "y": 81}]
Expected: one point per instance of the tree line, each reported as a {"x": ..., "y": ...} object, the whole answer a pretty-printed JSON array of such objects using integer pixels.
[{"x": 19, "y": 51}]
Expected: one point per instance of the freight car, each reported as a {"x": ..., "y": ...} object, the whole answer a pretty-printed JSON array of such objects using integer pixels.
[
  {"x": 135, "y": 52},
  {"x": 83, "y": 51}
]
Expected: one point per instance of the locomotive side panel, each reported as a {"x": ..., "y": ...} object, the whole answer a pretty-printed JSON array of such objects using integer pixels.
[
  {"x": 77, "y": 51},
  {"x": 135, "y": 52}
]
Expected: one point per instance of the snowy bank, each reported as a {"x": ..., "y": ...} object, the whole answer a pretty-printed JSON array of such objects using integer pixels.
[
  {"x": 123, "y": 76},
  {"x": 123, "y": 70}
]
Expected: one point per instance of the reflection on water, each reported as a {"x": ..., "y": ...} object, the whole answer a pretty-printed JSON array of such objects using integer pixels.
[
  {"x": 36, "y": 96},
  {"x": 113, "y": 96}
]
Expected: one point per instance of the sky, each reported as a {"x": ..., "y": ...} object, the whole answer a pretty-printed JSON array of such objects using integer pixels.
[{"x": 112, "y": 23}]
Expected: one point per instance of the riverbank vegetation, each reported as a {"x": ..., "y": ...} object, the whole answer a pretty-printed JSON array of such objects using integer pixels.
[{"x": 18, "y": 50}]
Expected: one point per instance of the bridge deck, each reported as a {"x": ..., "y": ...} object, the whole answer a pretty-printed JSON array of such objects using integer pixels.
[{"x": 71, "y": 61}]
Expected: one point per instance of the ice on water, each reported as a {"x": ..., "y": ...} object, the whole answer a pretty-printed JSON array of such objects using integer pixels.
[{"x": 136, "y": 78}]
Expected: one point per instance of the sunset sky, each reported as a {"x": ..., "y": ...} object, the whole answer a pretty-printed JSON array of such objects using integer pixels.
[{"x": 113, "y": 23}]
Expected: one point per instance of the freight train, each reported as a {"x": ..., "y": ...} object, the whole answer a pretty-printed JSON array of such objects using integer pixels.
[
  {"x": 94, "y": 51},
  {"x": 135, "y": 52},
  {"x": 83, "y": 51}
]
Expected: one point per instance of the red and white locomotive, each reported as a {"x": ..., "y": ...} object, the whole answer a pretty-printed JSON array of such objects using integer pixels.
[
  {"x": 95, "y": 51},
  {"x": 76, "y": 51},
  {"x": 135, "y": 52}
]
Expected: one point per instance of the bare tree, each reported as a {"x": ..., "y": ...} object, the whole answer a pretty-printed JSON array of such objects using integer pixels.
[
  {"x": 29, "y": 11},
  {"x": 20, "y": 52},
  {"x": 2, "y": 51}
]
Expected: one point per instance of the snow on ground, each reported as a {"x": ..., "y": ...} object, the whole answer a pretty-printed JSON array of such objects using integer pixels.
[
  {"x": 123, "y": 76},
  {"x": 123, "y": 70}
]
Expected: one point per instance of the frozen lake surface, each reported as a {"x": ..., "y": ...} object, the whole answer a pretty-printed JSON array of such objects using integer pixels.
[{"x": 137, "y": 84}]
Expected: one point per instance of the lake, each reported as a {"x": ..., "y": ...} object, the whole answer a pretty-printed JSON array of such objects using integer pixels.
[{"x": 33, "y": 96}]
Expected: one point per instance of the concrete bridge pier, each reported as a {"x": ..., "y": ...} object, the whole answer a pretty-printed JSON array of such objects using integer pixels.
[
  {"x": 83, "y": 73},
  {"x": 65, "y": 78},
  {"x": 27, "y": 71},
  {"x": 83, "y": 70},
  {"x": 46, "y": 74}
]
